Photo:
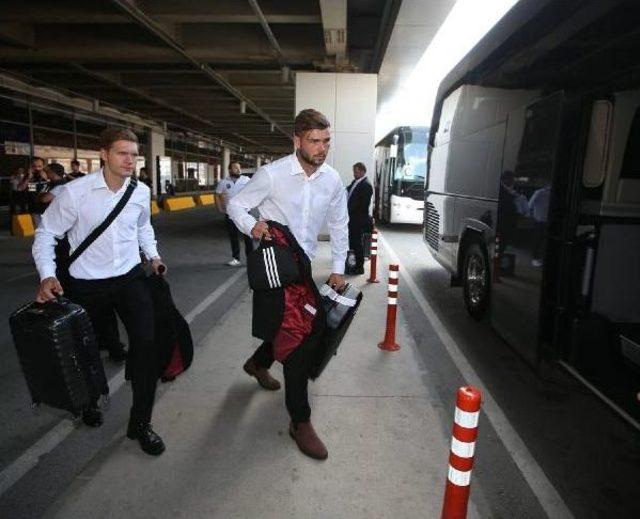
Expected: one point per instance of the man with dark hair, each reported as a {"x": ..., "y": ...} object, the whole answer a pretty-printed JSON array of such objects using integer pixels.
[
  {"x": 226, "y": 190},
  {"x": 108, "y": 274},
  {"x": 144, "y": 177},
  {"x": 75, "y": 170},
  {"x": 359, "y": 195},
  {"x": 55, "y": 175},
  {"x": 304, "y": 193}
]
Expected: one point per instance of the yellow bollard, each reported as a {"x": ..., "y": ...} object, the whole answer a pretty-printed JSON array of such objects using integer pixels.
[{"x": 22, "y": 225}]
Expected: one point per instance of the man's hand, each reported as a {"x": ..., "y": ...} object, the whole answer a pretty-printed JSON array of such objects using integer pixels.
[
  {"x": 48, "y": 290},
  {"x": 336, "y": 281},
  {"x": 260, "y": 230},
  {"x": 157, "y": 267}
]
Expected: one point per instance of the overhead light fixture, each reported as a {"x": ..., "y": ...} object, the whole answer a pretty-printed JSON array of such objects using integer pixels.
[{"x": 243, "y": 107}]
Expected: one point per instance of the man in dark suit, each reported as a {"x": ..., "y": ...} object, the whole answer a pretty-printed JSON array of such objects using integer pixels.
[{"x": 359, "y": 195}]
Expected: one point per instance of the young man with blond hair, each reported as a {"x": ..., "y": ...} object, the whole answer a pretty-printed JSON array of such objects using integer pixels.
[{"x": 108, "y": 275}]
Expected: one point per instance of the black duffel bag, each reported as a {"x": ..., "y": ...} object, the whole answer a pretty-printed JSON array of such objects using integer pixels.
[{"x": 339, "y": 309}]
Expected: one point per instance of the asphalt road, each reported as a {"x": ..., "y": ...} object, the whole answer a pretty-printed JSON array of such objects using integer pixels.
[{"x": 588, "y": 454}]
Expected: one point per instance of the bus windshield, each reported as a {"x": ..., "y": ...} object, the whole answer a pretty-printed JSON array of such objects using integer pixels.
[{"x": 411, "y": 165}]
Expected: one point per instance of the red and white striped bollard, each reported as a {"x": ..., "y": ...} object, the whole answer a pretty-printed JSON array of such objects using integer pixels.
[
  {"x": 463, "y": 444},
  {"x": 389, "y": 343},
  {"x": 373, "y": 262}
]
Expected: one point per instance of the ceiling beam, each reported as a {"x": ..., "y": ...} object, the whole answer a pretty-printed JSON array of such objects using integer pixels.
[
  {"x": 73, "y": 17},
  {"x": 147, "y": 97},
  {"x": 267, "y": 30},
  {"x": 129, "y": 7}
]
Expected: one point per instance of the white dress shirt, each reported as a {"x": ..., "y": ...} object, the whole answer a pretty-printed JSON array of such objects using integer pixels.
[
  {"x": 78, "y": 208},
  {"x": 231, "y": 186},
  {"x": 283, "y": 192}
]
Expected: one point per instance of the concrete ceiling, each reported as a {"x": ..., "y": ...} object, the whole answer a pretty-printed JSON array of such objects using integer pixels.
[
  {"x": 417, "y": 22},
  {"x": 194, "y": 64},
  {"x": 221, "y": 68}
]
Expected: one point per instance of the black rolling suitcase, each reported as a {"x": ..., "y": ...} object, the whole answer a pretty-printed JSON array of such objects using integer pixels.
[{"x": 59, "y": 358}]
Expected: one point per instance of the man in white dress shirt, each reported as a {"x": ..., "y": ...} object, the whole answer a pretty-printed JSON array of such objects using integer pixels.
[
  {"x": 226, "y": 190},
  {"x": 303, "y": 193},
  {"x": 108, "y": 274}
]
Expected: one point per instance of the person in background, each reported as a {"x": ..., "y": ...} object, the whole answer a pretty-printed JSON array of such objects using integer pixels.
[
  {"x": 226, "y": 190},
  {"x": 144, "y": 177},
  {"x": 18, "y": 193},
  {"x": 359, "y": 195},
  {"x": 75, "y": 170},
  {"x": 539, "y": 208},
  {"x": 55, "y": 176},
  {"x": 37, "y": 183}
]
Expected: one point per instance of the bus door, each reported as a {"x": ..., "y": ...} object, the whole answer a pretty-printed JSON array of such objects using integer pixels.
[
  {"x": 386, "y": 180},
  {"x": 523, "y": 208}
]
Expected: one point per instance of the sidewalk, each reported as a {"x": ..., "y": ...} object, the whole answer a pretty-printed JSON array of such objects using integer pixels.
[{"x": 229, "y": 454}]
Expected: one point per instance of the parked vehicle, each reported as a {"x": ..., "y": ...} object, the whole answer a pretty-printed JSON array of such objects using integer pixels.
[
  {"x": 533, "y": 194},
  {"x": 401, "y": 166}
]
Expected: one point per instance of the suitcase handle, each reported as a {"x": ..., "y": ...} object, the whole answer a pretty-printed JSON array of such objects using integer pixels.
[{"x": 61, "y": 300}]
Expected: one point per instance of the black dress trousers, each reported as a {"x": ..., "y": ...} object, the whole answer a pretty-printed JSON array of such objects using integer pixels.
[{"x": 130, "y": 296}]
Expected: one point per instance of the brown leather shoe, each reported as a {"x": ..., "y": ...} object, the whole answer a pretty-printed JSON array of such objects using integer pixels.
[
  {"x": 308, "y": 441},
  {"x": 262, "y": 375}
]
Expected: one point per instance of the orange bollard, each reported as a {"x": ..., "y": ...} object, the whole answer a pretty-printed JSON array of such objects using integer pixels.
[
  {"x": 463, "y": 444},
  {"x": 373, "y": 263},
  {"x": 389, "y": 343},
  {"x": 496, "y": 261}
]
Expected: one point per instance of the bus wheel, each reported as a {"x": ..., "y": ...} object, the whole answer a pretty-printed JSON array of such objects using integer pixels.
[{"x": 476, "y": 280}]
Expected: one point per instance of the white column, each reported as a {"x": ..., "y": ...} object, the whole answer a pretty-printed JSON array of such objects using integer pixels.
[
  {"x": 258, "y": 161},
  {"x": 155, "y": 149},
  {"x": 226, "y": 160}
]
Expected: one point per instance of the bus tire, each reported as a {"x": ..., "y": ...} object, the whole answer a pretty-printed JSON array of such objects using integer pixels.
[{"x": 476, "y": 280}]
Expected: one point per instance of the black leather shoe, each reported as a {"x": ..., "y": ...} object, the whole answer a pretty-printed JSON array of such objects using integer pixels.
[
  {"x": 150, "y": 442},
  {"x": 92, "y": 416}
]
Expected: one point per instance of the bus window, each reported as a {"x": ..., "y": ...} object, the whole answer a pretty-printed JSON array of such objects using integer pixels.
[
  {"x": 595, "y": 162},
  {"x": 631, "y": 164}
]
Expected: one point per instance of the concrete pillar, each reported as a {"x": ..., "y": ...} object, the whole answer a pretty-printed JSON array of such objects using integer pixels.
[
  {"x": 258, "y": 161},
  {"x": 155, "y": 149},
  {"x": 226, "y": 160}
]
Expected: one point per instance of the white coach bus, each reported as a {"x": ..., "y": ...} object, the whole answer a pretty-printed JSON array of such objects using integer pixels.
[{"x": 533, "y": 193}]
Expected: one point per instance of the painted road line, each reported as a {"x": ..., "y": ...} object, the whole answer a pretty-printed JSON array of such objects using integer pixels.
[
  {"x": 30, "y": 458},
  {"x": 213, "y": 297},
  {"x": 545, "y": 492}
]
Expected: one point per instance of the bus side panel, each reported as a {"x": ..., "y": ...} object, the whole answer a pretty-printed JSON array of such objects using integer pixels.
[
  {"x": 439, "y": 210},
  {"x": 471, "y": 158}
]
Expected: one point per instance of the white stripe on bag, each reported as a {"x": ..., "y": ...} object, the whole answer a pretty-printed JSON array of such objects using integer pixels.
[
  {"x": 275, "y": 266},
  {"x": 267, "y": 267}
]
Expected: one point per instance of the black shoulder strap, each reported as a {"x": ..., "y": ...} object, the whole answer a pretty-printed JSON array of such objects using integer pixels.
[{"x": 93, "y": 235}]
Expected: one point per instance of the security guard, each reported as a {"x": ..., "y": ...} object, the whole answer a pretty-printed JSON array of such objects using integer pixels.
[{"x": 226, "y": 190}]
